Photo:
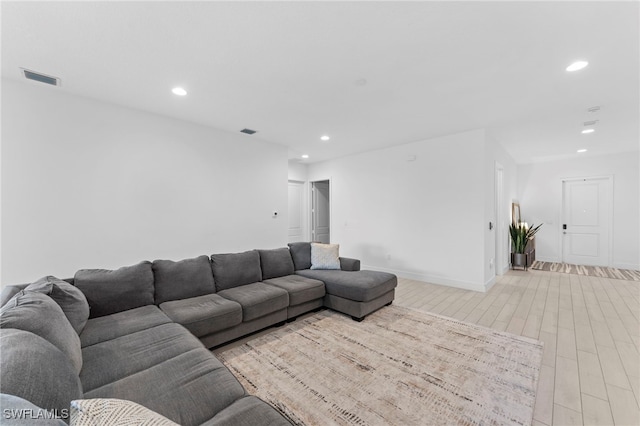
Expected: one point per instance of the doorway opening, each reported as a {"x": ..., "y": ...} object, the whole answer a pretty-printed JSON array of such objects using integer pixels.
[
  {"x": 587, "y": 212},
  {"x": 321, "y": 211}
]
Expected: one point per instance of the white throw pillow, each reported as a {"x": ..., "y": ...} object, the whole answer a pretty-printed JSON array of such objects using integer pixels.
[
  {"x": 325, "y": 256},
  {"x": 108, "y": 411}
]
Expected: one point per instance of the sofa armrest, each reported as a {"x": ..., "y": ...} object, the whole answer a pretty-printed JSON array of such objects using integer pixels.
[{"x": 347, "y": 264}]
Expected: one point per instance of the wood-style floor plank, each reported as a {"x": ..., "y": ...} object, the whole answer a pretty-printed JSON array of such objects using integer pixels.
[{"x": 590, "y": 327}]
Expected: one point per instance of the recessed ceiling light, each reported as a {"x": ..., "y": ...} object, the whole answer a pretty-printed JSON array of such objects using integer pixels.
[
  {"x": 585, "y": 131},
  {"x": 179, "y": 91},
  {"x": 325, "y": 138},
  {"x": 582, "y": 150},
  {"x": 577, "y": 65},
  {"x": 305, "y": 156}
]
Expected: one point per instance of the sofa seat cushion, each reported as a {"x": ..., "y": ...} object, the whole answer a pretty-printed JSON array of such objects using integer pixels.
[
  {"x": 361, "y": 286},
  {"x": 204, "y": 314},
  {"x": 112, "y": 326},
  {"x": 182, "y": 280},
  {"x": 124, "y": 356},
  {"x": 257, "y": 299},
  {"x": 188, "y": 389},
  {"x": 119, "y": 290},
  {"x": 248, "y": 411},
  {"x": 300, "y": 289},
  {"x": 35, "y": 370}
]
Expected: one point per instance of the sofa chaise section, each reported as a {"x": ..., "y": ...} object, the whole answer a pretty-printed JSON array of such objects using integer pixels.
[{"x": 348, "y": 289}]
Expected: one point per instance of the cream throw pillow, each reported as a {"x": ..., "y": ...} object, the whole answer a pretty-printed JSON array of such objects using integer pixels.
[
  {"x": 108, "y": 411},
  {"x": 325, "y": 256}
]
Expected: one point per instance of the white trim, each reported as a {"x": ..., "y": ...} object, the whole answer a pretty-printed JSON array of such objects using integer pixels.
[
  {"x": 436, "y": 279},
  {"x": 305, "y": 208},
  {"x": 500, "y": 248},
  {"x": 611, "y": 200}
]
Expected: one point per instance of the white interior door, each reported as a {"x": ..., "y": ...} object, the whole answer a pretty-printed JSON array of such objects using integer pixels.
[
  {"x": 320, "y": 212},
  {"x": 297, "y": 227},
  {"x": 586, "y": 221}
]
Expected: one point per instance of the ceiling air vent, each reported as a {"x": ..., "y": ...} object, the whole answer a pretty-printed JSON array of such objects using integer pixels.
[
  {"x": 590, "y": 123},
  {"x": 36, "y": 76},
  {"x": 248, "y": 131}
]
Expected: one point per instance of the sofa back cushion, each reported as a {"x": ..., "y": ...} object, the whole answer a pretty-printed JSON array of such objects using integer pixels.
[
  {"x": 72, "y": 301},
  {"x": 39, "y": 314},
  {"x": 9, "y": 291},
  {"x": 301, "y": 255},
  {"x": 35, "y": 370},
  {"x": 276, "y": 263},
  {"x": 183, "y": 279},
  {"x": 236, "y": 269},
  {"x": 119, "y": 290}
]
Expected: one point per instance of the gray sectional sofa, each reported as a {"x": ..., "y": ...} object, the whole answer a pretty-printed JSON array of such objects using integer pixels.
[{"x": 140, "y": 333}]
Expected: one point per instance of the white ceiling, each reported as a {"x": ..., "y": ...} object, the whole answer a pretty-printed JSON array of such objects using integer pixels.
[{"x": 293, "y": 70}]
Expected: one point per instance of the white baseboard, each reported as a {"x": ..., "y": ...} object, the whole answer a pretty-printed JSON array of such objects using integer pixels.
[
  {"x": 490, "y": 282},
  {"x": 435, "y": 279},
  {"x": 548, "y": 259}
]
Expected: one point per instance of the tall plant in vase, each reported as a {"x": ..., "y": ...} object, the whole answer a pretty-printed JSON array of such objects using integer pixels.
[{"x": 521, "y": 234}]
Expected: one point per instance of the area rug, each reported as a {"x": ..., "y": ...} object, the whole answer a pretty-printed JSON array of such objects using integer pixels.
[
  {"x": 594, "y": 271},
  {"x": 399, "y": 366}
]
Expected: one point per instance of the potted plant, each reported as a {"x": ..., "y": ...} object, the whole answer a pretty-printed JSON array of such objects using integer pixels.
[{"x": 521, "y": 234}]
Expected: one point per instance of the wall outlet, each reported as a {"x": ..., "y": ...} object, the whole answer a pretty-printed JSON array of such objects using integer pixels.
[{"x": 491, "y": 264}]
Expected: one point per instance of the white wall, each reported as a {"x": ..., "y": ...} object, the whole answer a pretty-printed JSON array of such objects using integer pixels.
[
  {"x": 87, "y": 184},
  {"x": 421, "y": 219},
  {"x": 540, "y": 193},
  {"x": 298, "y": 171}
]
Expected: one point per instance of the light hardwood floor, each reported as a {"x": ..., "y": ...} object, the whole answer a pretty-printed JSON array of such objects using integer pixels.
[{"x": 590, "y": 327}]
